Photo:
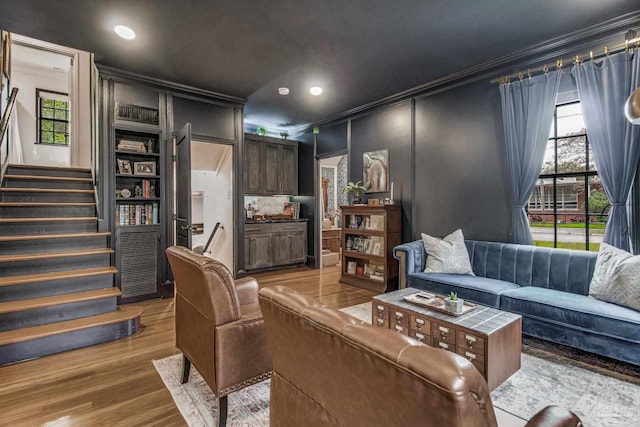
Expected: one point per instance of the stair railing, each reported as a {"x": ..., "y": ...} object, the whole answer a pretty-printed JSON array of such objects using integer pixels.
[
  {"x": 4, "y": 125},
  {"x": 203, "y": 250}
]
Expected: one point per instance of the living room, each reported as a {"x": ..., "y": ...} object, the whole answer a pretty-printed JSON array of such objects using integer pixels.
[{"x": 441, "y": 122}]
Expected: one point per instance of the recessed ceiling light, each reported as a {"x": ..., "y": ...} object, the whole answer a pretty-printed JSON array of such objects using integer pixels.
[
  {"x": 316, "y": 90},
  {"x": 283, "y": 90},
  {"x": 124, "y": 32}
]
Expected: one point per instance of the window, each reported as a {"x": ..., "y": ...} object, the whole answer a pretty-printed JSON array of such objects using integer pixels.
[
  {"x": 568, "y": 207},
  {"x": 53, "y": 117}
]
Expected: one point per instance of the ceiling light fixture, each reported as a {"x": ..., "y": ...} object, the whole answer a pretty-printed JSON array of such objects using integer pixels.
[
  {"x": 125, "y": 32},
  {"x": 315, "y": 91},
  {"x": 283, "y": 90}
]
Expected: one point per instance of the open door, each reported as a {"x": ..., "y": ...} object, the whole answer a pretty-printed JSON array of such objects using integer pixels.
[{"x": 184, "y": 228}]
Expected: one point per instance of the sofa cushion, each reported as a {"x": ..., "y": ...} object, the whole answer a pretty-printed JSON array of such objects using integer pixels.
[
  {"x": 447, "y": 255},
  {"x": 615, "y": 278},
  {"x": 575, "y": 310},
  {"x": 477, "y": 289}
]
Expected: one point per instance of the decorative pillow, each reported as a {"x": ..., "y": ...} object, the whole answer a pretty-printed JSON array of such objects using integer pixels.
[
  {"x": 448, "y": 255},
  {"x": 616, "y": 278}
]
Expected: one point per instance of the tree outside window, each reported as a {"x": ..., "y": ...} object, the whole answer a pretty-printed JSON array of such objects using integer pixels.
[
  {"x": 568, "y": 207},
  {"x": 53, "y": 117}
]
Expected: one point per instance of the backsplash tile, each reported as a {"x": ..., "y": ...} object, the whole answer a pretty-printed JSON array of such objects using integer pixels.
[{"x": 264, "y": 205}]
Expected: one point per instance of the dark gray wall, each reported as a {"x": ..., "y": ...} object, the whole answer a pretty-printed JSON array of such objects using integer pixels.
[
  {"x": 306, "y": 195},
  {"x": 331, "y": 139},
  {"x": 461, "y": 171},
  {"x": 387, "y": 128},
  {"x": 206, "y": 118}
]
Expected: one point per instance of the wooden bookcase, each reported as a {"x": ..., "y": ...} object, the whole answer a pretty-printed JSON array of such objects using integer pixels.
[{"x": 369, "y": 234}]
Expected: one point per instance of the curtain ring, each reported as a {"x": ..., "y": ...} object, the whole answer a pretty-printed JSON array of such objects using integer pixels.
[
  {"x": 520, "y": 75},
  {"x": 545, "y": 68},
  {"x": 606, "y": 51},
  {"x": 591, "y": 55},
  {"x": 529, "y": 73},
  {"x": 559, "y": 63}
]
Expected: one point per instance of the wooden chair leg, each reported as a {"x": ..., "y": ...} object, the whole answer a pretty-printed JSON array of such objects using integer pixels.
[
  {"x": 186, "y": 368},
  {"x": 222, "y": 411}
]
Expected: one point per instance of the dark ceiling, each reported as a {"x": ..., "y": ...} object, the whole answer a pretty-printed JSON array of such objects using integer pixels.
[{"x": 359, "y": 51}]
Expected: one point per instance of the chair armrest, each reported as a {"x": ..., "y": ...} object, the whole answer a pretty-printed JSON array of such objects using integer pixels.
[
  {"x": 247, "y": 291},
  {"x": 411, "y": 257},
  {"x": 554, "y": 416}
]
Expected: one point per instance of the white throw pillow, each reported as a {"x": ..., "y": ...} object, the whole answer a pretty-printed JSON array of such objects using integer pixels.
[
  {"x": 448, "y": 255},
  {"x": 616, "y": 277}
]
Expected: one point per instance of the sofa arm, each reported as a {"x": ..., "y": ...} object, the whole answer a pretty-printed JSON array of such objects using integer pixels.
[
  {"x": 554, "y": 416},
  {"x": 411, "y": 257},
  {"x": 247, "y": 290}
]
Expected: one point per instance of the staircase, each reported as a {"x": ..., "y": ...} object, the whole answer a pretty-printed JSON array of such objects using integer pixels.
[{"x": 56, "y": 275}]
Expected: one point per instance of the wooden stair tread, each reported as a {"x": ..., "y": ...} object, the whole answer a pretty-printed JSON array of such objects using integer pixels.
[
  {"x": 122, "y": 314},
  {"x": 48, "y": 255},
  {"x": 43, "y": 190},
  {"x": 21, "y": 237},
  {"x": 56, "y": 275},
  {"x": 44, "y": 204},
  {"x": 33, "y": 303},
  {"x": 49, "y": 219},
  {"x": 48, "y": 178},
  {"x": 60, "y": 168}
]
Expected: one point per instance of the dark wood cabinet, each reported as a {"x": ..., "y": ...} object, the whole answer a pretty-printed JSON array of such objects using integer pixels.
[
  {"x": 369, "y": 234},
  {"x": 270, "y": 166},
  {"x": 269, "y": 245},
  {"x": 257, "y": 247}
]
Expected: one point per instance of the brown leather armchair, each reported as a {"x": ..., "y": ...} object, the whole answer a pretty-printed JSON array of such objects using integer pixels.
[
  {"x": 331, "y": 369},
  {"x": 219, "y": 326}
]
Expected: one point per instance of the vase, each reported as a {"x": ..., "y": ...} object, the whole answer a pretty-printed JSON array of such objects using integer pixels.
[{"x": 453, "y": 306}]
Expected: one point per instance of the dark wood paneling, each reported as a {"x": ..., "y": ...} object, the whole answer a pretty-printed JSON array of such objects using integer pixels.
[
  {"x": 207, "y": 119},
  {"x": 461, "y": 171},
  {"x": 387, "y": 128}
]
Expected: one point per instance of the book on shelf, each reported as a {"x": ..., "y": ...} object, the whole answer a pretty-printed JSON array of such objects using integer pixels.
[
  {"x": 138, "y": 214},
  {"x": 134, "y": 146}
]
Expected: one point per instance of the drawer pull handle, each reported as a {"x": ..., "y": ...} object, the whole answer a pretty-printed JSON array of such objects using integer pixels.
[
  {"x": 398, "y": 315},
  {"x": 443, "y": 345},
  {"x": 419, "y": 321},
  {"x": 380, "y": 321},
  {"x": 398, "y": 328},
  {"x": 380, "y": 308},
  {"x": 419, "y": 337},
  {"x": 470, "y": 343},
  {"x": 470, "y": 356},
  {"x": 442, "y": 329}
]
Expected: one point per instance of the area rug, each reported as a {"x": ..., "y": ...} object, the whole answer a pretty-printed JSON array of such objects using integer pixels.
[{"x": 544, "y": 379}]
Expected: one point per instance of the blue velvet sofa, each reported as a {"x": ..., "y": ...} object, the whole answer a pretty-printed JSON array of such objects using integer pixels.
[{"x": 548, "y": 287}]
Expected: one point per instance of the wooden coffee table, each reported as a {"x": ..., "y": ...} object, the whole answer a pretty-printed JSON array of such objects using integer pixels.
[{"x": 489, "y": 338}]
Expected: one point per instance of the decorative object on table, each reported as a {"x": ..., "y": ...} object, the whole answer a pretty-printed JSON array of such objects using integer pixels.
[
  {"x": 284, "y": 135},
  {"x": 437, "y": 303},
  {"x": 375, "y": 170},
  {"x": 124, "y": 167},
  {"x": 125, "y": 192},
  {"x": 453, "y": 304},
  {"x": 144, "y": 168},
  {"x": 261, "y": 131},
  {"x": 356, "y": 188}
]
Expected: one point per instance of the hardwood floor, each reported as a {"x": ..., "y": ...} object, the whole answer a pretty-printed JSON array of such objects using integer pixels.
[{"x": 116, "y": 383}]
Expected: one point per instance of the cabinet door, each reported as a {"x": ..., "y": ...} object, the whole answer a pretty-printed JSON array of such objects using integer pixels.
[
  {"x": 138, "y": 262},
  {"x": 289, "y": 170},
  {"x": 253, "y": 168},
  {"x": 298, "y": 247},
  {"x": 272, "y": 167},
  {"x": 281, "y": 248},
  {"x": 258, "y": 251}
]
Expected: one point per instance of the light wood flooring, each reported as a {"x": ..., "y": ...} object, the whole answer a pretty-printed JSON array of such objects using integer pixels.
[{"x": 115, "y": 384}]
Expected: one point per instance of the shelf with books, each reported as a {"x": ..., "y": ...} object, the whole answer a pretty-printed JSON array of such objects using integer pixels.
[{"x": 369, "y": 234}]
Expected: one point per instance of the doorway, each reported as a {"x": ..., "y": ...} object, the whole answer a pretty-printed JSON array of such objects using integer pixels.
[
  {"x": 212, "y": 199},
  {"x": 333, "y": 178}
]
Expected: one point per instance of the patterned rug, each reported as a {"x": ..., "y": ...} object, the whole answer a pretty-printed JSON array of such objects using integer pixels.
[{"x": 602, "y": 397}]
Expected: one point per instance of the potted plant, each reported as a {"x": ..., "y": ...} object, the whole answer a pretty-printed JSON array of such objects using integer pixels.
[
  {"x": 284, "y": 135},
  {"x": 453, "y": 304},
  {"x": 261, "y": 131},
  {"x": 356, "y": 188}
]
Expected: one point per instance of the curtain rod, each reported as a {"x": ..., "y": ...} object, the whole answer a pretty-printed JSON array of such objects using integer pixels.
[{"x": 575, "y": 59}]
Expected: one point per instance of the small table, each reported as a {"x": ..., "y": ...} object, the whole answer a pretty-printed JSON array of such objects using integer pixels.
[{"x": 489, "y": 338}]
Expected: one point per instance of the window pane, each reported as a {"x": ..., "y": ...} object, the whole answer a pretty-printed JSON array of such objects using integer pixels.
[
  {"x": 46, "y": 137},
  {"x": 47, "y": 102},
  {"x": 46, "y": 124},
  {"x": 61, "y": 105},
  {"x": 570, "y": 120},
  {"x": 61, "y": 115},
  {"x": 572, "y": 154},
  {"x": 592, "y": 160},
  {"x": 60, "y": 127},
  {"x": 47, "y": 113},
  {"x": 549, "y": 162},
  {"x": 60, "y": 138}
]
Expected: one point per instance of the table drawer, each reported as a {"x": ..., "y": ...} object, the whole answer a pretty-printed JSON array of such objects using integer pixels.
[
  {"x": 420, "y": 336},
  {"x": 399, "y": 317},
  {"x": 377, "y": 321},
  {"x": 471, "y": 342},
  {"x": 476, "y": 360},
  {"x": 399, "y": 328},
  {"x": 380, "y": 311},
  {"x": 438, "y": 343},
  {"x": 420, "y": 324},
  {"x": 443, "y": 333}
]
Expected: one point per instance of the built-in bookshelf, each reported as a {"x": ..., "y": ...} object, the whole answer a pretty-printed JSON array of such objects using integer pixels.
[{"x": 369, "y": 234}]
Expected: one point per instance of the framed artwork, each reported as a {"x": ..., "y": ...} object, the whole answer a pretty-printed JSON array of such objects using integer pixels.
[
  {"x": 375, "y": 171},
  {"x": 124, "y": 167},
  {"x": 144, "y": 168}
]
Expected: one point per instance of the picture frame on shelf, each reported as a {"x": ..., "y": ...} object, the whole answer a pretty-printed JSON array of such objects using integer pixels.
[
  {"x": 366, "y": 246},
  {"x": 124, "y": 167},
  {"x": 144, "y": 168},
  {"x": 351, "y": 267},
  {"x": 377, "y": 249}
]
